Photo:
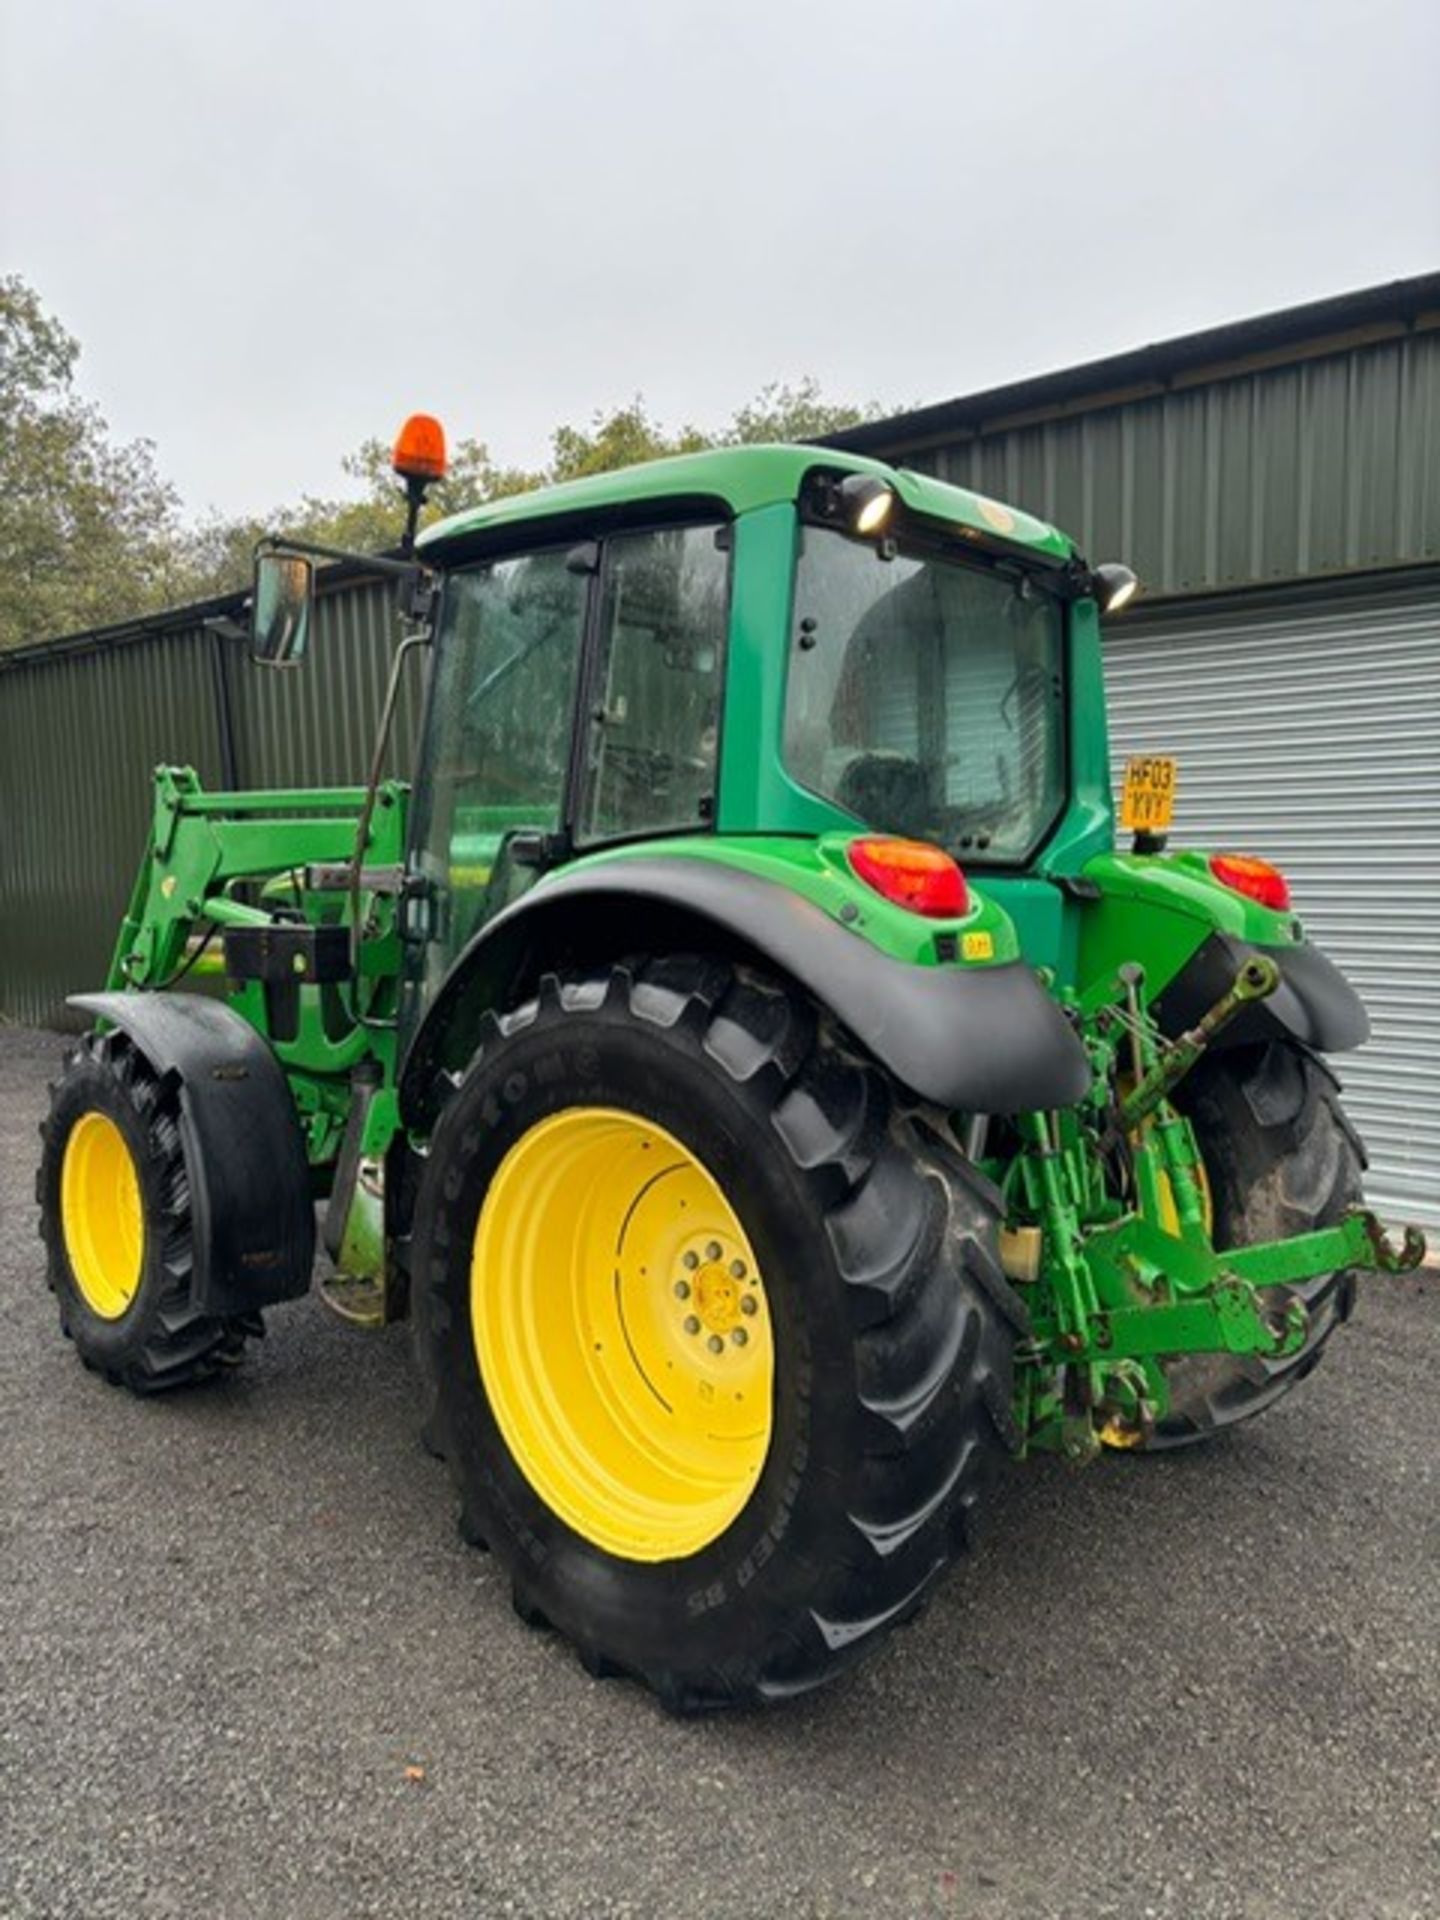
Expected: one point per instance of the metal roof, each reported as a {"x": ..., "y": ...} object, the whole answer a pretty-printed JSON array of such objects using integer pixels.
[{"x": 1242, "y": 346}]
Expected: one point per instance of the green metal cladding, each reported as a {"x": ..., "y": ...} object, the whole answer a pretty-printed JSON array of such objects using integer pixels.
[
  {"x": 83, "y": 725},
  {"x": 1325, "y": 466}
]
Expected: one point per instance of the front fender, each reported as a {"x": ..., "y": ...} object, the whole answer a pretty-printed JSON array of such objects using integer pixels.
[
  {"x": 979, "y": 1039},
  {"x": 251, "y": 1209}
]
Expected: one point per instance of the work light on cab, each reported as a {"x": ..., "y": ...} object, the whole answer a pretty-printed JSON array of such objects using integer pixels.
[
  {"x": 1115, "y": 586},
  {"x": 912, "y": 874},
  {"x": 1247, "y": 874},
  {"x": 868, "y": 502}
]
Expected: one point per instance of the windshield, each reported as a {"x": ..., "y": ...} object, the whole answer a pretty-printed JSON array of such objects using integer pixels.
[{"x": 926, "y": 696}]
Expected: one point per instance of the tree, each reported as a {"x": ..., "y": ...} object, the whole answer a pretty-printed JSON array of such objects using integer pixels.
[
  {"x": 89, "y": 531},
  {"x": 622, "y": 438},
  {"x": 780, "y": 412}
]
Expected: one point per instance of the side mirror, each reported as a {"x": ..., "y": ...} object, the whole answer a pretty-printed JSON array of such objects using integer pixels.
[{"x": 281, "y": 608}]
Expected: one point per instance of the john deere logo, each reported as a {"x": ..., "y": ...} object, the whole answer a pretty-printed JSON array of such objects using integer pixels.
[{"x": 996, "y": 516}]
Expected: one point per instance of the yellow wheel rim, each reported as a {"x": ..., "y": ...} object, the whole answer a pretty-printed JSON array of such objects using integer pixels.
[
  {"x": 101, "y": 1215},
  {"x": 623, "y": 1334}
]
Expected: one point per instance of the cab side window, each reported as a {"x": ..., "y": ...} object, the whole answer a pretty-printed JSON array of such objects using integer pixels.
[
  {"x": 651, "y": 748},
  {"x": 497, "y": 753}
]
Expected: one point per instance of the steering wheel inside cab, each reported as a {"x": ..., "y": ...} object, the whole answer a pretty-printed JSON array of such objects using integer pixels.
[{"x": 890, "y": 792}]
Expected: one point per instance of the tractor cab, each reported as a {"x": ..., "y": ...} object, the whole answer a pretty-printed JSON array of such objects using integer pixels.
[{"x": 760, "y": 643}]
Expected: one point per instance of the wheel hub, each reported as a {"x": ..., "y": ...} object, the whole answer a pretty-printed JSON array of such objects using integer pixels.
[{"x": 717, "y": 1292}]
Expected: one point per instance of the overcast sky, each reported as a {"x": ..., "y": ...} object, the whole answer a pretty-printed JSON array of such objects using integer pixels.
[{"x": 277, "y": 228}]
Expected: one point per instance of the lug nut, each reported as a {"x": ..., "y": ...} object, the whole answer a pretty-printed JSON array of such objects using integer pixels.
[
  {"x": 713, "y": 1251},
  {"x": 682, "y": 1289},
  {"x": 749, "y": 1304},
  {"x": 715, "y": 1343},
  {"x": 739, "y": 1336},
  {"x": 691, "y": 1260},
  {"x": 692, "y": 1325},
  {"x": 737, "y": 1269}
]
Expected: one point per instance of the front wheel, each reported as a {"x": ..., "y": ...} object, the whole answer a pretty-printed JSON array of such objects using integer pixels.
[
  {"x": 116, "y": 1218},
  {"x": 1280, "y": 1159},
  {"x": 718, "y": 1347}
]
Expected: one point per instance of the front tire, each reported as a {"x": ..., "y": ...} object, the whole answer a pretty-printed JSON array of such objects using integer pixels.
[
  {"x": 115, "y": 1217},
  {"x": 1281, "y": 1159},
  {"x": 880, "y": 1330}
]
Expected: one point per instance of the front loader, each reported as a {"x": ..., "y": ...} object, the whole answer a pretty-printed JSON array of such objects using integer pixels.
[{"x": 742, "y": 1052}]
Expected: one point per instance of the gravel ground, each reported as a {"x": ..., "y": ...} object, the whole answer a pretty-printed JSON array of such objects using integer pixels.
[{"x": 248, "y": 1669}]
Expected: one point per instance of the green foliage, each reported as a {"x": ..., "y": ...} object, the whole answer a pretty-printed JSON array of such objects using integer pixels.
[
  {"x": 628, "y": 435},
  {"x": 623, "y": 438},
  {"x": 90, "y": 533},
  {"x": 779, "y": 412}
]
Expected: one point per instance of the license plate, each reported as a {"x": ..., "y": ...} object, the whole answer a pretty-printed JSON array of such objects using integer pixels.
[{"x": 1147, "y": 800}]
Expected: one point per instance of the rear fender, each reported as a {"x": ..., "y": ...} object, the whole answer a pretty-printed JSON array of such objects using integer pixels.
[
  {"x": 251, "y": 1206},
  {"x": 1193, "y": 934},
  {"x": 978, "y": 1039},
  {"x": 1314, "y": 1005}
]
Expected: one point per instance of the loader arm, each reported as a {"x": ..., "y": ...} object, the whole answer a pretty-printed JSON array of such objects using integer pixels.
[{"x": 254, "y": 886}]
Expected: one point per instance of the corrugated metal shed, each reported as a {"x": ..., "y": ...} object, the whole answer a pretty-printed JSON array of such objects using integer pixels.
[
  {"x": 1305, "y": 725},
  {"x": 1218, "y": 462},
  {"x": 1324, "y": 468},
  {"x": 83, "y": 723},
  {"x": 78, "y": 737}
]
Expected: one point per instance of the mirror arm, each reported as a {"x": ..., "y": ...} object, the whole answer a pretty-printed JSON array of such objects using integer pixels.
[{"x": 372, "y": 562}]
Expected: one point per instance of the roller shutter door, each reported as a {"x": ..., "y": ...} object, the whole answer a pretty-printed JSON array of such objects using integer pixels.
[{"x": 1308, "y": 730}]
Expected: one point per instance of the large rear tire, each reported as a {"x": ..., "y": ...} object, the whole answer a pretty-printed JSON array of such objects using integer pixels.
[
  {"x": 573, "y": 1318},
  {"x": 1281, "y": 1159},
  {"x": 115, "y": 1216}
]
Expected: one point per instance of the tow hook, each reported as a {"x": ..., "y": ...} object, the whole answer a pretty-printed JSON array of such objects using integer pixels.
[{"x": 1392, "y": 1249}]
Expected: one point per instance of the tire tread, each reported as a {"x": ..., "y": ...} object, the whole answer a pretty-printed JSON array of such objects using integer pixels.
[
  {"x": 913, "y": 1232},
  {"x": 175, "y": 1343},
  {"x": 1284, "y": 1160}
]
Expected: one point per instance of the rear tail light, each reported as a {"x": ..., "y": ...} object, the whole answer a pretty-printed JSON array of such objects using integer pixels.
[
  {"x": 1257, "y": 878},
  {"x": 913, "y": 874}
]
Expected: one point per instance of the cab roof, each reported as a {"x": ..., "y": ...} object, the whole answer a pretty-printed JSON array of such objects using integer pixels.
[{"x": 738, "y": 480}]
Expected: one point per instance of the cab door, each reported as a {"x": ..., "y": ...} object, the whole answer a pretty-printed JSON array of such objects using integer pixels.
[{"x": 495, "y": 755}]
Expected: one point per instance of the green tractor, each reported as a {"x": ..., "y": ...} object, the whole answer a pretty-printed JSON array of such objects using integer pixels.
[{"x": 742, "y": 1052}]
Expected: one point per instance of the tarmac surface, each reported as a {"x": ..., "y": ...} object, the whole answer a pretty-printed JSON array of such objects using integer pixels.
[{"x": 248, "y": 1668}]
